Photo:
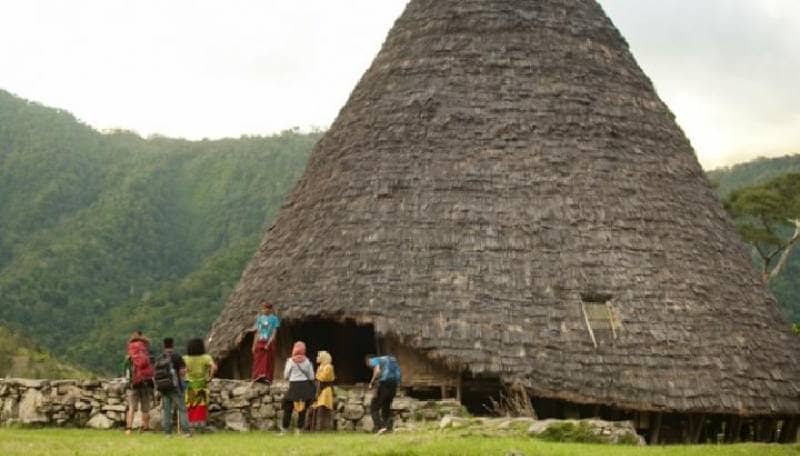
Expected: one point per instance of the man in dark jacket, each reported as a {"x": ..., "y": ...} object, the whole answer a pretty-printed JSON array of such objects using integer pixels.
[{"x": 174, "y": 396}]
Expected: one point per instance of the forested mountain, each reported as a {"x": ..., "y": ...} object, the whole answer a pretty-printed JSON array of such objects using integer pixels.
[
  {"x": 753, "y": 172},
  {"x": 785, "y": 286},
  {"x": 102, "y": 234},
  {"x": 20, "y": 357}
]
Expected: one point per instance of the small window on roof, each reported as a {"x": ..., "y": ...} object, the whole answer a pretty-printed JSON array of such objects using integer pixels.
[{"x": 600, "y": 317}]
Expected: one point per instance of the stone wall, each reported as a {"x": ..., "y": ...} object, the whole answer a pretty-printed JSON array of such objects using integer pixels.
[{"x": 235, "y": 405}]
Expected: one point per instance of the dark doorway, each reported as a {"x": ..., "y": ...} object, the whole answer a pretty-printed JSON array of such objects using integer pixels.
[
  {"x": 347, "y": 342},
  {"x": 479, "y": 392}
]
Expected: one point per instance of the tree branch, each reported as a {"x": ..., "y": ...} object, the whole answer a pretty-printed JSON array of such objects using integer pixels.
[
  {"x": 760, "y": 252},
  {"x": 787, "y": 250}
]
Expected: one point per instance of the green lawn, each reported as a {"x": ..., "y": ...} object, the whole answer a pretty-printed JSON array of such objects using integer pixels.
[{"x": 31, "y": 442}]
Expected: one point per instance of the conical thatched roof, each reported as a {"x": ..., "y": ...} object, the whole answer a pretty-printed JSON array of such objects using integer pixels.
[{"x": 502, "y": 175}]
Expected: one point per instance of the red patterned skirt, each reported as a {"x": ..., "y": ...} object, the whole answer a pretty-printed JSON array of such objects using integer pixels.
[
  {"x": 197, "y": 404},
  {"x": 263, "y": 361}
]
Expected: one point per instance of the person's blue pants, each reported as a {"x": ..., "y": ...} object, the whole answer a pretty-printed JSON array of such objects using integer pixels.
[{"x": 168, "y": 399}]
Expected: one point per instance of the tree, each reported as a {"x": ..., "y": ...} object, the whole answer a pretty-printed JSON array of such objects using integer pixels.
[{"x": 768, "y": 217}]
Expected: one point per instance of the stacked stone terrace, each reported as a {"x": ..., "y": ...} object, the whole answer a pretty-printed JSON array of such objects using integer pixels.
[{"x": 234, "y": 405}]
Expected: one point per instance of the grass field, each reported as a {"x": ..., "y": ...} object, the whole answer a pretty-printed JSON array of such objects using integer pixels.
[{"x": 30, "y": 442}]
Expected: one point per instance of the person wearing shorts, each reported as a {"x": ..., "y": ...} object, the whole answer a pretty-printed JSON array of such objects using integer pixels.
[
  {"x": 141, "y": 398},
  {"x": 140, "y": 381}
]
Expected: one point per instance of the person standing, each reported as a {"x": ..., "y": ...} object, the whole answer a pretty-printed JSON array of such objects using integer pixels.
[
  {"x": 300, "y": 373},
  {"x": 386, "y": 373},
  {"x": 139, "y": 372},
  {"x": 321, "y": 415},
  {"x": 169, "y": 374},
  {"x": 263, "y": 348},
  {"x": 200, "y": 368}
]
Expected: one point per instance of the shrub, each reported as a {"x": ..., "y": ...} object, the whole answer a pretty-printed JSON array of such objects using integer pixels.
[
  {"x": 570, "y": 432},
  {"x": 628, "y": 439}
]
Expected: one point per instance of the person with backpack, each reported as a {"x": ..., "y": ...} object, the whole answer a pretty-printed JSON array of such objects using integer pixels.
[
  {"x": 263, "y": 349},
  {"x": 168, "y": 377},
  {"x": 386, "y": 373},
  {"x": 299, "y": 371},
  {"x": 139, "y": 372}
]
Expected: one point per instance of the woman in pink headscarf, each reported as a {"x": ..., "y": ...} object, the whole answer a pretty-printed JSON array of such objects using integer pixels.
[{"x": 302, "y": 389}]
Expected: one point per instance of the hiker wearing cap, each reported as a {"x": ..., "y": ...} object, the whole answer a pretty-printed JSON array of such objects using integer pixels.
[
  {"x": 263, "y": 349},
  {"x": 139, "y": 373}
]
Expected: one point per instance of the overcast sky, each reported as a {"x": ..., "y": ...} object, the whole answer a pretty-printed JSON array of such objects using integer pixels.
[{"x": 194, "y": 68}]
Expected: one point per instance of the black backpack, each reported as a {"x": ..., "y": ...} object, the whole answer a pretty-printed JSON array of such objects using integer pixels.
[{"x": 166, "y": 378}]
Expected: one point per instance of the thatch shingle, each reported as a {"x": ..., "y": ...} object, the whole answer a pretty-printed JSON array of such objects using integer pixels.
[{"x": 502, "y": 173}]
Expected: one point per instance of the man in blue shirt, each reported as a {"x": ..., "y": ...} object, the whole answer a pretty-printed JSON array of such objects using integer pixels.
[
  {"x": 266, "y": 328},
  {"x": 386, "y": 373}
]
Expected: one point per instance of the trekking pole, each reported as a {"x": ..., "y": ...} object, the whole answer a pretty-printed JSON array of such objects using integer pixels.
[{"x": 178, "y": 410}]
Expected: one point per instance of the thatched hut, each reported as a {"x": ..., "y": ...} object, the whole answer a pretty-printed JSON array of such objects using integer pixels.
[{"x": 504, "y": 199}]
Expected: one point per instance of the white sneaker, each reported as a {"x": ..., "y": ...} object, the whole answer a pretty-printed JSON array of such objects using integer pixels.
[{"x": 382, "y": 430}]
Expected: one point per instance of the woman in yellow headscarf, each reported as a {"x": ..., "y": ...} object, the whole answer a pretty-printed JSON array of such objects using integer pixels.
[{"x": 322, "y": 409}]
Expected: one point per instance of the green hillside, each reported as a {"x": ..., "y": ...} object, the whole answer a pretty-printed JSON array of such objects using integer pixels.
[
  {"x": 21, "y": 357},
  {"x": 786, "y": 286},
  {"x": 183, "y": 308},
  {"x": 754, "y": 172},
  {"x": 101, "y": 234}
]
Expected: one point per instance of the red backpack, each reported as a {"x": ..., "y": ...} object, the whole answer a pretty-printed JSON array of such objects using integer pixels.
[{"x": 140, "y": 362}]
